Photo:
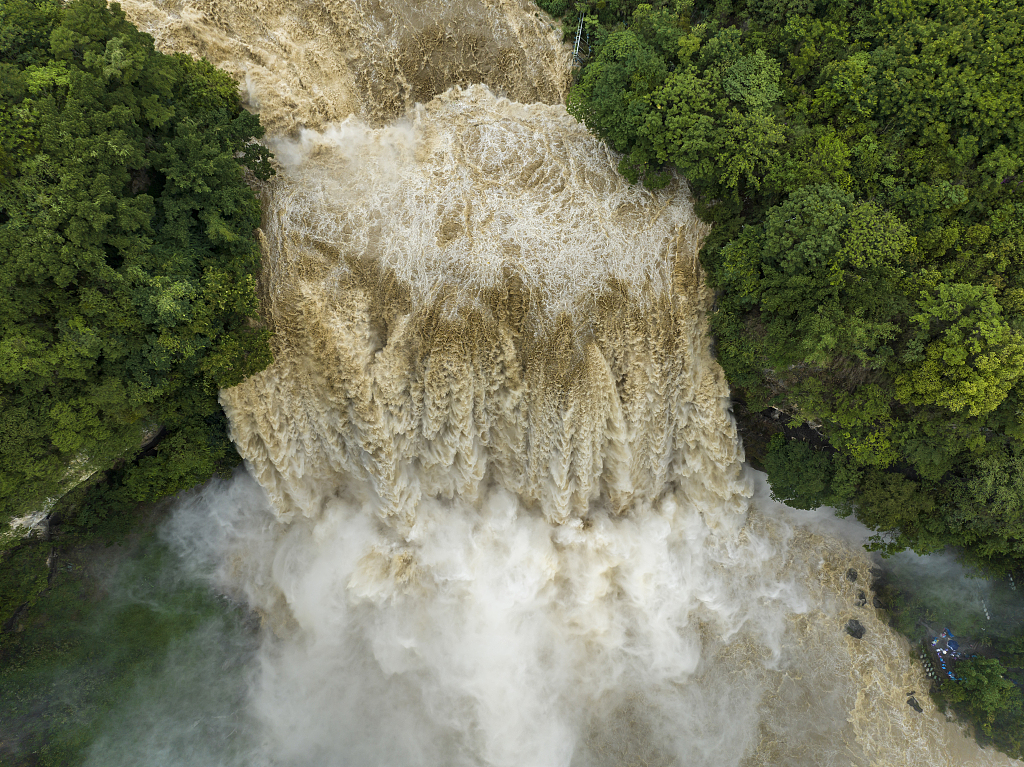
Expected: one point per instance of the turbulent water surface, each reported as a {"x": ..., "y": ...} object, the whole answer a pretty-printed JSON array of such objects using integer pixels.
[{"x": 495, "y": 510}]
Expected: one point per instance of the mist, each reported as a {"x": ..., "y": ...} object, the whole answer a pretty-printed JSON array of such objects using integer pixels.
[{"x": 488, "y": 636}]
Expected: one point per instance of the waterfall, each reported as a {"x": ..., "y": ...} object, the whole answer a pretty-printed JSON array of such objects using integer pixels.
[{"x": 495, "y": 510}]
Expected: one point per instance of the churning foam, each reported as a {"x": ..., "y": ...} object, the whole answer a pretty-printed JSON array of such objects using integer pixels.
[
  {"x": 477, "y": 296},
  {"x": 502, "y": 516},
  {"x": 308, "y": 64}
]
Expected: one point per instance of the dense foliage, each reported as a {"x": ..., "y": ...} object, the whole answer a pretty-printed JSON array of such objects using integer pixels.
[
  {"x": 861, "y": 162},
  {"x": 127, "y": 257},
  {"x": 985, "y": 695}
]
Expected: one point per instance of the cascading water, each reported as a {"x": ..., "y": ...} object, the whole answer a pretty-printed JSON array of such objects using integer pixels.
[{"x": 502, "y": 517}]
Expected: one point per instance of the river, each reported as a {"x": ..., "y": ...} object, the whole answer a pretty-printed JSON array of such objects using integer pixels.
[{"x": 495, "y": 509}]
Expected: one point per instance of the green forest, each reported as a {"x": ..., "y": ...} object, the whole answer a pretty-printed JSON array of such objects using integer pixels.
[
  {"x": 860, "y": 161},
  {"x": 128, "y": 263}
]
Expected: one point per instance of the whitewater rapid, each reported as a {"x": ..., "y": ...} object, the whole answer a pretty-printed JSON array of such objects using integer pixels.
[{"x": 495, "y": 509}]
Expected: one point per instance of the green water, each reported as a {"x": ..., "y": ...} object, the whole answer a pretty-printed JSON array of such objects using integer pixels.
[{"x": 126, "y": 659}]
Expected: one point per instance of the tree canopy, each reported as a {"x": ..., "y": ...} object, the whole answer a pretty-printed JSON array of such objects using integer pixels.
[
  {"x": 984, "y": 693},
  {"x": 861, "y": 163},
  {"x": 129, "y": 258}
]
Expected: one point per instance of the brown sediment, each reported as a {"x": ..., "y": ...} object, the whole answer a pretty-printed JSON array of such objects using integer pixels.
[{"x": 310, "y": 64}]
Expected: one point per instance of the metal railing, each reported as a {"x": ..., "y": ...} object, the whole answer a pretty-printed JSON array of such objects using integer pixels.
[{"x": 578, "y": 56}]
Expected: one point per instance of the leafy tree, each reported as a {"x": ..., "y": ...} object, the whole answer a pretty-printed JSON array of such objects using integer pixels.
[
  {"x": 860, "y": 163},
  {"x": 803, "y": 475},
  {"x": 983, "y": 691},
  {"x": 824, "y": 271},
  {"x": 968, "y": 358},
  {"x": 985, "y": 506},
  {"x": 127, "y": 288}
]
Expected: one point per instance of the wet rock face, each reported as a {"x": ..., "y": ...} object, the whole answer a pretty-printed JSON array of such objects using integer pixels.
[
  {"x": 912, "y": 702},
  {"x": 851, "y": 575},
  {"x": 855, "y": 629}
]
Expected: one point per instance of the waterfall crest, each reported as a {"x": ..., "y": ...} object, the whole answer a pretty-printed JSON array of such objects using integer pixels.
[{"x": 476, "y": 296}]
